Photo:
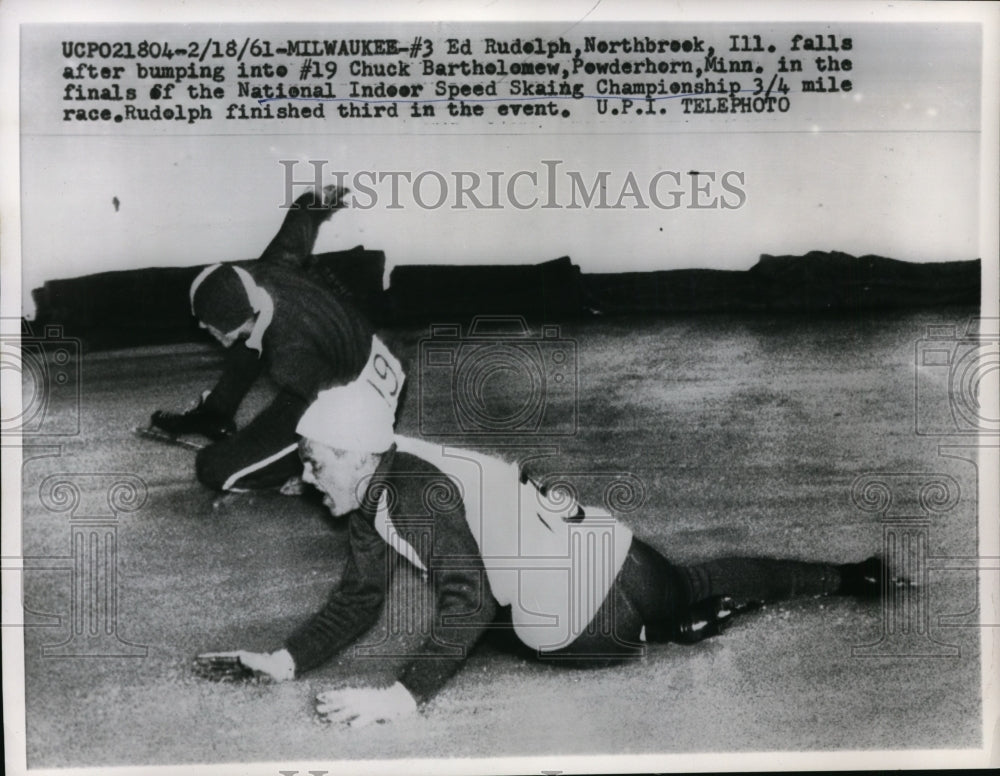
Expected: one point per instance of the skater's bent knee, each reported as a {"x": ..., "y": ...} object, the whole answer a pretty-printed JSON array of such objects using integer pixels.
[{"x": 210, "y": 469}]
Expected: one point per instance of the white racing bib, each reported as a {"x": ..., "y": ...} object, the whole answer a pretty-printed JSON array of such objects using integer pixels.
[
  {"x": 384, "y": 373},
  {"x": 547, "y": 559}
]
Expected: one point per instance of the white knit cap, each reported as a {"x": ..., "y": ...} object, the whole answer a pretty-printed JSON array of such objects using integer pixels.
[{"x": 350, "y": 417}]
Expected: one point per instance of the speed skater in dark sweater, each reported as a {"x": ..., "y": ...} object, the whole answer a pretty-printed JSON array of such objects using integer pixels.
[
  {"x": 497, "y": 551},
  {"x": 273, "y": 318}
]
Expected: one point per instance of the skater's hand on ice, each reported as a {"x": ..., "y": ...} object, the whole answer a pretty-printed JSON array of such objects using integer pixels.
[
  {"x": 293, "y": 486},
  {"x": 361, "y": 706},
  {"x": 241, "y": 665}
]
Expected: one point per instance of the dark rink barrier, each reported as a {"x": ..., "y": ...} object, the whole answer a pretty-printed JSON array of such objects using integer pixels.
[
  {"x": 150, "y": 306},
  {"x": 817, "y": 281},
  {"x": 548, "y": 291}
]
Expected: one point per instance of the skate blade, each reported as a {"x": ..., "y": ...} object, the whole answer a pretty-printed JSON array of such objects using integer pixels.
[{"x": 159, "y": 435}]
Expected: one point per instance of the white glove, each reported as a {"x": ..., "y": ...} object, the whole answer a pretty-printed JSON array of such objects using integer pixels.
[
  {"x": 275, "y": 666},
  {"x": 361, "y": 706}
]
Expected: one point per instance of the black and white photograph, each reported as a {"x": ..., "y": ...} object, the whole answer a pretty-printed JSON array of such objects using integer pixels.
[{"x": 499, "y": 387}]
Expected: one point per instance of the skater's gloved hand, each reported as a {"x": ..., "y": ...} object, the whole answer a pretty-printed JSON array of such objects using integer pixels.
[
  {"x": 361, "y": 706},
  {"x": 241, "y": 665},
  {"x": 197, "y": 420}
]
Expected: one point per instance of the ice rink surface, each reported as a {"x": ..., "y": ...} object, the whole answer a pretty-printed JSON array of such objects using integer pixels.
[{"x": 747, "y": 434}]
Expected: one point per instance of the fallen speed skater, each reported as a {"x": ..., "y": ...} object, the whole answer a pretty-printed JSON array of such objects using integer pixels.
[
  {"x": 495, "y": 548},
  {"x": 272, "y": 316}
]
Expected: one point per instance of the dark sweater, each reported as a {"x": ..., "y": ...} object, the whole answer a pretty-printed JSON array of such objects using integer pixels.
[
  {"x": 317, "y": 337},
  {"x": 426, "y": 510}
]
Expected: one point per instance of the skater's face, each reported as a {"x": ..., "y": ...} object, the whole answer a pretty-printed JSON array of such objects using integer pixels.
[
  {"x": 227, "y": 338},
  {"x": 342, "y": 475}
]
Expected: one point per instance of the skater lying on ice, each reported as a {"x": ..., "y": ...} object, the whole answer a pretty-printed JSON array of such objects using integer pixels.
[{"x": 573, "y": 583}]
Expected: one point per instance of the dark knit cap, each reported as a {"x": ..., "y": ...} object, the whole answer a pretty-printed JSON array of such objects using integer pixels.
[{"x": 221, "y": 301}]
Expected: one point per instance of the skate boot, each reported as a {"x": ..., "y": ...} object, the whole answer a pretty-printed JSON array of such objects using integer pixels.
[
  {"x": 704, "y": 619},
  {"x": 198, "y": 420},
  {"x": 864, "y": 579}
]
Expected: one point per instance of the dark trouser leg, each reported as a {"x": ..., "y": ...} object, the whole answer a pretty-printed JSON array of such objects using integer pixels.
[
  {"x": 261, "y": 455},
  {"x": 293, "y": 244},
  {"x": 612, "y": 636},
  {"x": 759, "y": 580},
  {"x": 648, "y": 592}
]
